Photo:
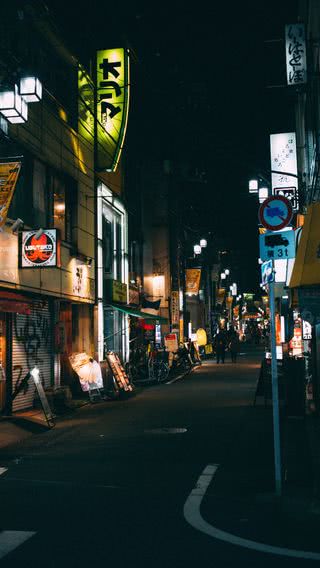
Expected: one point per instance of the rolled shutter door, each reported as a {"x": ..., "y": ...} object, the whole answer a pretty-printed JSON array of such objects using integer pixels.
[{"x": 31, "y": 345}]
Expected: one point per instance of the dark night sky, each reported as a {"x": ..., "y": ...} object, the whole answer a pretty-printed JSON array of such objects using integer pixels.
[{"x": 201, "y": 90}]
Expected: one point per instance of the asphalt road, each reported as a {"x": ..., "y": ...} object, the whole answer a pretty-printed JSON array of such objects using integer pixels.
[{"x": 111, "y": 485}]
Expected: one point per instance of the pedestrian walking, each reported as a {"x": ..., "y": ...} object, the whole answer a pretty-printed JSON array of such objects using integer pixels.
[
  {"x": 234, "y": 346},
  {"x": 220, "y": 347}
]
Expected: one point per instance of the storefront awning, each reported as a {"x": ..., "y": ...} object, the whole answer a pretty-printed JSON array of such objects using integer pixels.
[
  {"x": 138, "y": 314},
  {"x": 306, "y": 269},
  {"x": 14, "y": 303}
]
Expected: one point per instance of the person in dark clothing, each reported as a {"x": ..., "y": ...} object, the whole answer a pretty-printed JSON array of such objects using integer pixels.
[
  {"x": 220, "y": 347},
  {"x": 234, "y": 347}
]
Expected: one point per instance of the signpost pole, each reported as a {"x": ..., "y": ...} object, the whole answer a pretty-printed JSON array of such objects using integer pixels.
[
  {"x": 275, "y": 213},
  {"x": 275, "y": 390}
]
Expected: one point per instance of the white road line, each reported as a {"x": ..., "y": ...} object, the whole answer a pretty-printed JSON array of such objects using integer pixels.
[
  {"x": 175, "y": 379},
  {"x": 9, "y": 540},
  {"x": 3, "y": 470},
  {"x": 181, "y": 376},
  {"x": 193, "y": 517}
]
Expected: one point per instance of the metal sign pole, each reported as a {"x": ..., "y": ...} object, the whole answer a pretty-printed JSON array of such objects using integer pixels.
[{"x": 275, "y": 390}]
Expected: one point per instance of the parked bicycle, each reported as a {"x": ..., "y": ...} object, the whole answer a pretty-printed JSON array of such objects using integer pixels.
[
  {"x": 148, "y": 365},
  {"x": 182, "y": 360},
  {"x": 159, "y": 365}
]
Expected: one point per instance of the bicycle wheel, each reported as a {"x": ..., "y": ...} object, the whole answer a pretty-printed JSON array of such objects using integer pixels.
[{"x": 162, "y": 372}]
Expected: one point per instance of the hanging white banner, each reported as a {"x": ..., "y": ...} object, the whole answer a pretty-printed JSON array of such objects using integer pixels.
[
  {"x": 283, "y": 154},
  {"x": 296, "y": 54}
]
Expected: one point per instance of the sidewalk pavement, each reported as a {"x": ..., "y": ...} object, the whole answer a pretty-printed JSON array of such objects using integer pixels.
[{"x": 25, "y": 424}]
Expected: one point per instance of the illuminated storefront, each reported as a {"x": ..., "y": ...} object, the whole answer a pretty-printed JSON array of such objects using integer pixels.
[{"x": 113, "y": 326}]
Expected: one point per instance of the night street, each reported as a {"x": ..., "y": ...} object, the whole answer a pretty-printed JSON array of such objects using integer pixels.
[
  {"x": 159, "y": 284},
  {"x": 109, "y": 483}
]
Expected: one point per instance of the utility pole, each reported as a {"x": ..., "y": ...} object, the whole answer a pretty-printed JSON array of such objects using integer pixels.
[{"x": 275, "y": 387}]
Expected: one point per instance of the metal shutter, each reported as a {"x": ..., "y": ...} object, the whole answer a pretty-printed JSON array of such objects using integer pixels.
[{"x": 31, "y": 345}]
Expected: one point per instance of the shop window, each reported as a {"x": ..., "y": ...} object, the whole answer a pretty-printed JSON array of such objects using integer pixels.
[
  {"x": 114, "y": 329},
  {"x": 63, "y": 190},
  {"x": 107, "y": 239},
  {"x": 118, "y": 251}
]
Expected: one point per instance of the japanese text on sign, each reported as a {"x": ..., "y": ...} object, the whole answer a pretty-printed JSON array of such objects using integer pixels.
[
  {"x": 112, "y": 105},
  {"x": 296, "y": 54}
]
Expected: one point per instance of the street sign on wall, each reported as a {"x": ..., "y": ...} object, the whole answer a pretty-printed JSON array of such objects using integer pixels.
[
  {"x": 275, "y": 213},
  {"x": 277, "y": 245}
]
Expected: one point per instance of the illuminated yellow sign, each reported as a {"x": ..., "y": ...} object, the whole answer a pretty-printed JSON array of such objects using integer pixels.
[
  {"x": 112, "y": 76},
  {"x": 85, "y": 105},
  {"x": 193, "y": 276}
]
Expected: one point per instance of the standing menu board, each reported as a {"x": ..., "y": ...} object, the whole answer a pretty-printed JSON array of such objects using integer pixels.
[
  {"x": 118, "y": 372},
  {"x": 50, "y": 417}
]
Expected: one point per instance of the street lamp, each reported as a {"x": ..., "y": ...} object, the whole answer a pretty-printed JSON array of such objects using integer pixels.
[
  {"x": 227, "y": 271},
  {"x": 203, "y": 243},
  {"x": 263, "y": 194},
  {"x": 253, "y": 185},
  {"x": 197, "y": 249}
]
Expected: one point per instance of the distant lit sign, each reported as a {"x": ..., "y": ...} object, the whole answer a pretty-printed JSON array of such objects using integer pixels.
[
  {"x": 248, "y": 296},
  {"x": 266, "y": 272},
  {"x": 277, "y": 245},
  {"x": 296, "y": 54},
  {"x": 175, "y": 312},
  {"x": 193, "y": 276},
  {"x": 306, "y": 330},
  {"x": 39, "y": 253},
  {"x": 112, "y": 77},
  {"x": 283, "y": 154}
]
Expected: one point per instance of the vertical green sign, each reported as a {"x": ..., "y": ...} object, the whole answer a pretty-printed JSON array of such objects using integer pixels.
[{"x": 112, "y": 83}]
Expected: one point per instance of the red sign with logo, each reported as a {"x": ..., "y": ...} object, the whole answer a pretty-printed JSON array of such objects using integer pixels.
[{"x": 41, "y": 252}]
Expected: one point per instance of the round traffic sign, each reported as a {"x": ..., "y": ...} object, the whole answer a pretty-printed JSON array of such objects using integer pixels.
[{"x": 275, "y": 212}]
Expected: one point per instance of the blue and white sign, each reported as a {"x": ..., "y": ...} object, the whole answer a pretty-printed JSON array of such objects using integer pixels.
[
  {"x": 275, "y": 213},
  {"x": 277, "y": 245},
  {"x": 267, "y": 272}
]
